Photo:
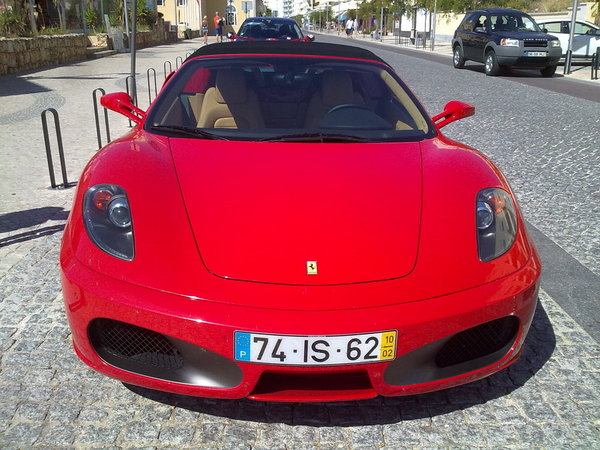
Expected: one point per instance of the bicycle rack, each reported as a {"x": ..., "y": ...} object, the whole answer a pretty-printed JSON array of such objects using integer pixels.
[
  {"x": 178, "y": 62},
  {"x": 165, "y": 68},
  {"x": 61, "y": 152},
  {"x": 106, "y": 125},
  {"x": 149, "y": 90}
]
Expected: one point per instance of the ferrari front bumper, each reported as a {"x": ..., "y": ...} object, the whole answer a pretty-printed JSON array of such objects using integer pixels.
[{"x": 185, "y": 345}]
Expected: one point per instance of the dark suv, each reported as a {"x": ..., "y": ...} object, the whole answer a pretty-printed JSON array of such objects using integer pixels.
[{"x": 504, "y": 38}]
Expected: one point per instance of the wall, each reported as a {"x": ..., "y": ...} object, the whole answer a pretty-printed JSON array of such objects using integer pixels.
[{"x": 20, "y": 54}]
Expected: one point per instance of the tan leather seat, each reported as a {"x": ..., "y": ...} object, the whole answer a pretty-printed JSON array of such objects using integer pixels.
[
  {"x": 336, "y": 89},
  {"x": 195, "y": 102},
  {"x": 230, "y": 103}
]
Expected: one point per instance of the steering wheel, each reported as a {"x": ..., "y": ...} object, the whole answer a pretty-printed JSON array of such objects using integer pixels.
[{"x": 347, "y": 106}]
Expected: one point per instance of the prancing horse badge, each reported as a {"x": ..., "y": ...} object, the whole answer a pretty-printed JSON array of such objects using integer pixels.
[{"x": 311, "y": 267}]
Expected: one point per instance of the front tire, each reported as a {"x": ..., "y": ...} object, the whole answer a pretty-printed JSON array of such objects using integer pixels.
[
  {"x": 458, "y": 59},
  {"x": 492, "y": 68},
  {"x": 549, "y": 71}
]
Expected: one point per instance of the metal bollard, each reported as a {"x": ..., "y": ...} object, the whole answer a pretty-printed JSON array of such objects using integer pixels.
[
  {"x": 106, "y": 125},
  {"x": 149, "y": 90},
  {"x": 61, "y": 153},
  {"x": 567, "y": 68},
  {"x": 595, "y": 64}
]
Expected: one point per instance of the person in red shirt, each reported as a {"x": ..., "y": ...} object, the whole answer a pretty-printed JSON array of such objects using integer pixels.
[{"x": 218, "y": 27}]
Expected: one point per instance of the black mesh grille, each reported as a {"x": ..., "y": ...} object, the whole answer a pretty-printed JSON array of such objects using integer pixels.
[
  {"x": 134, "y": 343},
  {"x": 478, "y": 341},
  {"x": 535, "y": 43}
]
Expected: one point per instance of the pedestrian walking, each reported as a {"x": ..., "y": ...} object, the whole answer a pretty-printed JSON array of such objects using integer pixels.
[
  {"x": 205, "y": 30},
  {"x": 218, "y": 20},
  {"x": 349, "y": 27}
]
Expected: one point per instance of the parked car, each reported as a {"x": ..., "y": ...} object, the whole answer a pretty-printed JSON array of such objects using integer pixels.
[
  {"x": 502, "y": 37},
  {"x": 269, "y": 29},
  {"x": 586, "y": 38},
  {"x": 286, "y": 223}
]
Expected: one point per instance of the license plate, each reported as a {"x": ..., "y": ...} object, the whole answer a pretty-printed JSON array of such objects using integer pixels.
[
  {"x": 294, "y": 350},
  {"x": 535, "y": 53}
]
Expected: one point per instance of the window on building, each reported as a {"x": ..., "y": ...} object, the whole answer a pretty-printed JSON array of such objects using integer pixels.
[{"x": 231, "y": 15}]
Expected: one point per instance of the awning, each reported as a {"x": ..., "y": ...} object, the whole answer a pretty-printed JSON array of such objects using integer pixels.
[{"x": 342, "y": 16}]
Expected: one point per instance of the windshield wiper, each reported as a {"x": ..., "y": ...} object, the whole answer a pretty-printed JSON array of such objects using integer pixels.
[
  {"x": 316, "y": 137},
  {"x": 188, "y": 131}
]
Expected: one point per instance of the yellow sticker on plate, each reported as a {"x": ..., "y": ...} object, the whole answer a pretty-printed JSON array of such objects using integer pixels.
[{"x": 388, "y": 345}]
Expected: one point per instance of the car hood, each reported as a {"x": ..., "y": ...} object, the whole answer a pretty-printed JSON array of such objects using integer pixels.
[{"x": 302, "y": 213}]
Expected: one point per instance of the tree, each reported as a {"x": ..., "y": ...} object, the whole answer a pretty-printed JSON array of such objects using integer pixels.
[
  {"x": 298, "y": 19},
  {"x": 460, "y": 6}
]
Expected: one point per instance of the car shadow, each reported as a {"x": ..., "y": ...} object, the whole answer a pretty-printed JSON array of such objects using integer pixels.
[
  {"x": 511, "y": 73},
  {"x": 539, "y": 347}
]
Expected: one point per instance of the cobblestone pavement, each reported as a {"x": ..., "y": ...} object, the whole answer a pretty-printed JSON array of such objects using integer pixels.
[{"x": 550, "y": 398}]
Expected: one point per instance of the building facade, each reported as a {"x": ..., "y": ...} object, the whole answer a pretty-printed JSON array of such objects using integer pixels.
[{"x": 189, "y": 13}]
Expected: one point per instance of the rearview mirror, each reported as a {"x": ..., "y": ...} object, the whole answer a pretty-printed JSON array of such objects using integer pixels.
[
  {"x": 121, "y": 102},
  {"x": 453, "y": 111}
]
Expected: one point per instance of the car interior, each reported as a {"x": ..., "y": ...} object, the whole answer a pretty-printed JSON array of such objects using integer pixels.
[{"x": 289, "y": 96}]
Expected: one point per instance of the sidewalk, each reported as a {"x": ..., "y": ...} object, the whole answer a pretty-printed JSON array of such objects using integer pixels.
[{"x": 579, "y": 71}]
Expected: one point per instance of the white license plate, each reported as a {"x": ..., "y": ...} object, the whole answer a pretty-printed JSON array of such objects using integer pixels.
[
  {"x": 296, "y": 350},
  {"x": 535, "y": 53}
]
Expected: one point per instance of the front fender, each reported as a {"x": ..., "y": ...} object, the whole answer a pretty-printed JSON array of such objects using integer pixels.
[{"x": 142, "y": 165}]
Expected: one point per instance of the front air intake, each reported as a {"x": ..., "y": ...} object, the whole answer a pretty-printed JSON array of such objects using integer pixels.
[
  {"x": 478, "y": 341},
  {"x": 128, "y": 341},
  {"x": 151, "y": 354}
]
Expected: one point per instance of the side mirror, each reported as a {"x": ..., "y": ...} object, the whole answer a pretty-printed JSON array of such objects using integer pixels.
[
  {"x": 121, "y": 102},
  {"x": 453, "y": 111},
  {"x": 230, "y": 35},
  {"x": 545, "y": 30},
  {"x": 311, "y": 37}
]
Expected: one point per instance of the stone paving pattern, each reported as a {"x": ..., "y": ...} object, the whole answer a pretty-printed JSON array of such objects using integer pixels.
[{"x": 549, "y": 399}]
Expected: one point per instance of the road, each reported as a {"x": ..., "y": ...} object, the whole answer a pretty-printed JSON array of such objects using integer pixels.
[{"x": 545, "y": 142}]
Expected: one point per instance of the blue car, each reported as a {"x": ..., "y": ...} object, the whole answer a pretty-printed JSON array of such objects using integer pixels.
[{"x": 502, "y": 37}]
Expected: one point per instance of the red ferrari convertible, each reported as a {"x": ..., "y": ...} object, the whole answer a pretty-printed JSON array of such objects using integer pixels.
[{"x": 286, "y": 223}]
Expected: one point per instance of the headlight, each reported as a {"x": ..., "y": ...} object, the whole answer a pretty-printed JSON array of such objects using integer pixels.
[
  {"x": 510, "y": 42},
  {"x": 107, "y": 219},
  {"x": 554, "y": 43},
  {"x": 496, "y": 222}
]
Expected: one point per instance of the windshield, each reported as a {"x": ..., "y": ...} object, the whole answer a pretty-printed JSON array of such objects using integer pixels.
[
  {"x": 513, "y": 22},
  {"x": 270, "y": 29},
  {"x": 282, "y": 98}
]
